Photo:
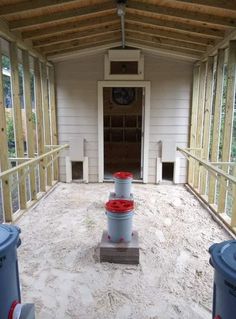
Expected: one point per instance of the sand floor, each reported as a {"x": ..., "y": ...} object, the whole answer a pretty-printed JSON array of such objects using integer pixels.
[{"x": 59, "y": 262}]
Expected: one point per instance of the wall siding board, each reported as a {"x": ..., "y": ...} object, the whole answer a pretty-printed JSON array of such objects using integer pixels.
[{"x": 170, "y": 106}]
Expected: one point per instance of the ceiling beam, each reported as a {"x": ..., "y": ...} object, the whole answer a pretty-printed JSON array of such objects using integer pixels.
[
  {"x": 92, "y": 45},
  {"x": 76, "y": 35},
  {"x": 168, "y": 42},
  {"x": 223, "y": 4},
  {"x": 180, "y": 26},
  {"x": 23, "y": 7},
  {"x": 181, "y": 14},
  {"x": 61, "y": 16},
  {"x": 155, "y": 46},
  {"x": 79, "y": 42},
  {"x": 70, "y": 26},
  {"x": 155, "y": 31}
]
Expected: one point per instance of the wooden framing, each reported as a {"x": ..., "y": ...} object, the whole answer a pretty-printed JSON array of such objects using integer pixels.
[
  {"x": 19, "y": 138},
  {"x": 207, "y": 121},
  {"x": 46, "y": 118},
  {"x": 200, "y": 116},
  {"x": 39, "y": 116},
  {"x": 228, "y": 123},
  {"x": 4, "y": 162},
  {"x": 233, "y": 217},
  {"x": 216, "y": 120},
  {"x": 62, "y": 16},
  {"x": 193, "y": 127},
  {"x": 29, "y": 119},
  {"x": 52, "y": 103}
]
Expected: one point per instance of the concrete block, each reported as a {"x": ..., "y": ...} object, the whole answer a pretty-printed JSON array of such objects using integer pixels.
[{"x": 119, "y": 253}]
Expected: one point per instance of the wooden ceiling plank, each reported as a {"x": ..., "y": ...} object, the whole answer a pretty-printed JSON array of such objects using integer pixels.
[
  {"x": 163, "y": 41},
  {"x": 136, "y": 41},
  {"x": 181, "y": 13},
  {"x": 61, "y": 16},
  {"x": 93, "y": 45},
  {"x": 155, "y": 31},
  {"x": 23, "y": 7},
  {"x": 78, "y": 42},
  {"x": 223, "y": 4},
  {"x": 70, "y": 26},
  {"x": 76, "y": 35},
  {"x": 183, "y": 27}
]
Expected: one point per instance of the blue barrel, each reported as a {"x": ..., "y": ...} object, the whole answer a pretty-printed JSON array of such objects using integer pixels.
[
  {"x": 123, "y": 182},
  {"x": 120, "y": 220},
  {"x": 9, "y": 275},
  {"x": 223, "y": 259}
]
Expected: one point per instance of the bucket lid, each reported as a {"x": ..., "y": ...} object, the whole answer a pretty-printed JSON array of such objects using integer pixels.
[
  {"x": 120, "y": 206},
  {"x": 123, "y": 175},
  {"x": 9, "y": 235},
  {"x": 223, "y": 258}
]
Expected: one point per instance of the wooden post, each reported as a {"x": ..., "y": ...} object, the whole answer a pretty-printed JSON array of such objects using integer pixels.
[
  {"x": 39, "y": 126},
  {"x": 193, "y": 127},
  {"x": 19, "y": 136},
  {"x": 217, "y": 109},
  {"x": 207, "y": 121},
  {"x": 200, "y": 113},
  {"x": 4, "y": 163},
  {"x": 46, "y": 119},
  {"x": 233, "y": 217},
  {"x": 229, "y": 114},
  {"x": 29, "y": 119},
  {"x": 52, "y": 104}
]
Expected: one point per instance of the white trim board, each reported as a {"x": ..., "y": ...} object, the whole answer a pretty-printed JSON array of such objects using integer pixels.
[{"x": 147, "y": 87}]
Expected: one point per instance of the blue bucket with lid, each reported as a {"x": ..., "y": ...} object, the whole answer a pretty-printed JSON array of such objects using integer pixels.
[
  {"x": 9, "y": 275},
  {"x": 223, "y": 259},
  {"x": 120, "y": 220},
  {"x": 123, "y": 183}
]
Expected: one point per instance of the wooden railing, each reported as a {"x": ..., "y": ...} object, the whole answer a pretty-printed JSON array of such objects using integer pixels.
[
  {"x": 215, "y": 177},
  {"x": 26, "y": 167}
]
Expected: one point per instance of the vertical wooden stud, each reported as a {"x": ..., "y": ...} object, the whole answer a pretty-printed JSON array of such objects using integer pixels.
[
  {"x": 233, "y": 217},
  {"x": 47, "y": 132},
  {"x": 193, "y": 127},
  {"x": 29, "y": 119},
  {"x": 207, "y": 121},
  {"x": 4, "y": 164},
  {"x": 52, "y": 103},
  {"x": 216, "y": 121},
  {"x": 19, "y": 136},
  {"x": 39, "y": 126},
  {"x": 229, "y": 114},
  {"x": 200, "y": 114}
]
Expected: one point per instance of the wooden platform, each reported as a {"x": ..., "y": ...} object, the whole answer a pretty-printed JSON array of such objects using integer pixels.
[{"x": 119, "y": 253}]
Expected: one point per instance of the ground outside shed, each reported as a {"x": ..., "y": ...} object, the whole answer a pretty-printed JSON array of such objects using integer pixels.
[{"x": 59, "y": 257}]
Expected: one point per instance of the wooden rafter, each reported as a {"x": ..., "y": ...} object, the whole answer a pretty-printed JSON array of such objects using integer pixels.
[
  {"x": 79, "y": 42},
  {"x": 77, "y": 35},
  {"x": 87, "y": 24},
  {"x": 134, "y": 41},
  {"x": 223, "y": 4},
  {"x": 181, "y": 14},
  {"x": 180, "y": 26},
  {"x": 94, "y": 45},
  {"x": 23, "y": 7},
  {"x": 61, "y": 16},
  {"x": 155, "y": 31},
  {"x": 165, "y": 42}
]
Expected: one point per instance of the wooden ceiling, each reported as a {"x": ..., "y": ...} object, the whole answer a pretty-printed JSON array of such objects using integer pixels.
[{"x": 190, "y": 27}]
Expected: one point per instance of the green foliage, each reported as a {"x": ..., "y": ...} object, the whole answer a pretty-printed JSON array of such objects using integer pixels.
[{"x": 10, "y": 135}]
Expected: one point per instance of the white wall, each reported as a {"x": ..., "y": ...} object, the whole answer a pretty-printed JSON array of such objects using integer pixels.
[{"x": 77, "y": 105}]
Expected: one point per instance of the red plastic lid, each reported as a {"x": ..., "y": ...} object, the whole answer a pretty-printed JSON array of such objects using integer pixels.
[
  {"x": 123, "y": 175},
  {"x": 120, "y": 206}
]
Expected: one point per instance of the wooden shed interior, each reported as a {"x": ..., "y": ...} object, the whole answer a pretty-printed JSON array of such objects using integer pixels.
[{"x": 34, "y": 34}]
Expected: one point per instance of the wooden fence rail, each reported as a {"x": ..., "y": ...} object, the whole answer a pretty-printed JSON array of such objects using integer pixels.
[
  {"x": 219, "y": 172},
  {"x": 26, "y": 168}
]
